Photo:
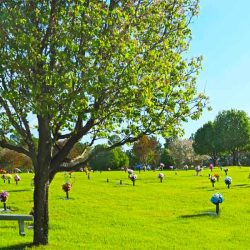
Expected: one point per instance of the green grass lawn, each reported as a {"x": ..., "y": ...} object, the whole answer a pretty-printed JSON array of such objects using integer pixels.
[{"x": 174, "y": 214}]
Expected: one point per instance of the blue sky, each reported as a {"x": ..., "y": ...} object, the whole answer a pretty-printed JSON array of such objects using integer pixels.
[{"x": 221, "y": 33}]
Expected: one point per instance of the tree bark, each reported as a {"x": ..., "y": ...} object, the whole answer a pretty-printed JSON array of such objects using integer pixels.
[
  {"x": 214, "y": 161},
  {"x": 214, "y": 158},
  {"x": 41, "y": 214},
  {"x": 235, "y": 158},
  {"x": 42, "y": 167}
]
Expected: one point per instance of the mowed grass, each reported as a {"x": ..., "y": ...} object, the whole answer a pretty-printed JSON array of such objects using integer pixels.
[{"x": 175, "y": 214}]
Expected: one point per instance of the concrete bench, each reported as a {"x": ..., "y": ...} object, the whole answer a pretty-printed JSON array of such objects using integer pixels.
[{"x": 20, "y": 218}]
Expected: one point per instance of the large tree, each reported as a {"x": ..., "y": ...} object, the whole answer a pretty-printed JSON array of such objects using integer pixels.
[
  {"x": 233, "y": 131},
  {"x": 87, "y": 70},
  {"x": 182, "y": 153},
  {"x": 147, "y": 150},
  {"x": 206, "y": 141}
]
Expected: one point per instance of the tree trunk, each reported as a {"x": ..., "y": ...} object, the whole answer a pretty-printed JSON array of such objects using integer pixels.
[
  {"x": 214, "y": 158},
  {"x": 41, "y": 215},
  {"x": 235, "y": 158},
  {"x": 42, "y": 167},
  {"x": 214, "y": 161}
]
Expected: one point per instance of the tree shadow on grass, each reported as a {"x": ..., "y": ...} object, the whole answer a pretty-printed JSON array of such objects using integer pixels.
[
  {"x": 18, "y": 190},
  {"x": 204, "y": 214},
  {"x": 124, "y": 184},
  {"x": 18, "y": 247},
  {"x": 9, "y": 210},
  {"x": 242, "y": 185}
]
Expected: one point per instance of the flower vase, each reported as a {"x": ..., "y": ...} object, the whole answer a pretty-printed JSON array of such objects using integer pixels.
[
  {"x": 9, "y": 181},
  {"x": 67, "y": 195},
  {"x": 133, "y": 182},
  {"x": 228, "y": 185},
  {"x": 16, "y": 182},
  {"x": 4, "y": 206},
  {"x": 161, "y": 179}
]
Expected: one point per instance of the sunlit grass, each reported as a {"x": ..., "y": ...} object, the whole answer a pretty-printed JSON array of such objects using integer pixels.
[{"x": 175, "y": 214}]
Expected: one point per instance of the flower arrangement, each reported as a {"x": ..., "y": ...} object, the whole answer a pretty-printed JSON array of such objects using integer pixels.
[
  {"x": 70, "y": 173},
  {"x": 3, "y": 197},
  {"x": 213, "y": 179},
  {"x": 211, "y": 166},
  {"x": 2, "y": 171},
  {"x": 217, "y": 175},
  {"x": 161, "y": 176},
  {"x": 17, "y": 178},
  {"x": 67, "y": 187},
  {"x": 86, "y": 170},
  {"x": 162, "y": 165},
  {"x": 4, "y": 177},
  {"x": 226, "y": 170},
  {"x": 198, "y": 169},
  {"x": 130, "y": 171},
  {"x": 216, "y": 199},
  {"x": 133, "y": 178},
  {"x": 228, "y": 181},
  {"x": 8, "y": 177}
]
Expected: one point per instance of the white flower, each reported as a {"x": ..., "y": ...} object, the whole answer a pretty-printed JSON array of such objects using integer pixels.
[
  {"x": 133, "y": 177},
  {"x": 161, "y": 175},
  {"x": 130, "y": 171}
]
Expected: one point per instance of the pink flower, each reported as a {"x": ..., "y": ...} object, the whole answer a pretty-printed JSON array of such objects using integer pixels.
[{"x": 3, "y": 196}]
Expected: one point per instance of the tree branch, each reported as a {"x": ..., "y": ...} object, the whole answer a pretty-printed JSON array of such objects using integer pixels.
[
  {"x": 18, "y": 128},
  {"x": 5, "y": 144},
  {"x": 59, "y": 157}
]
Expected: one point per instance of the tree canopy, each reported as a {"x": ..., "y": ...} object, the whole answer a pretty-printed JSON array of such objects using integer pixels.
[
  {"x": 88, "y": 70},
  {"x": 228, "y": 134},
  {"x": 147, "y": 150},
  {"x": 233, "y": 131},
  {"x": 114, "y": 159},
  {"x": 182, "y": 153},
  {"x": 206, "y": 141}
]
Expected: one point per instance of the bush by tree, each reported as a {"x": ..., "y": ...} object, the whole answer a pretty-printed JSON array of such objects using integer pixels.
[{"x": 114, "y": 159}]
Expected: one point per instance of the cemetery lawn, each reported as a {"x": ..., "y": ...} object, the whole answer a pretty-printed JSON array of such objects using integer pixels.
[{"x": 174, "y": 214}]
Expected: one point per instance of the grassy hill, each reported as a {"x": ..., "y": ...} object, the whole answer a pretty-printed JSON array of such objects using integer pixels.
[{"x": 174, "y": 214}]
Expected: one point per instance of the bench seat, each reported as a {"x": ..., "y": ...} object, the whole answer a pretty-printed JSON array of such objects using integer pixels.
[{"x": 20, "y": 218}]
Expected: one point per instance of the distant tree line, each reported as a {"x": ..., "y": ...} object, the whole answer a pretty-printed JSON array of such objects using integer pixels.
[
  {"x": 226, "y": 139},
  {"x": 149, "y": 151}
]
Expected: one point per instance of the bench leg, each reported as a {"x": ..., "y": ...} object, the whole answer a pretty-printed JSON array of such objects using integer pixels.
[{"x": 21, "y": 227}]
